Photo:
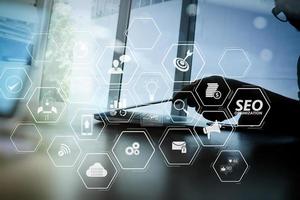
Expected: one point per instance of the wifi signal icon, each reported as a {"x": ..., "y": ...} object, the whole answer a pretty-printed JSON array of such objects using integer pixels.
[{"x": 64, "y": 150}]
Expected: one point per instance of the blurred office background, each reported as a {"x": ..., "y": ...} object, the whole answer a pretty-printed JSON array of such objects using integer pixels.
[
  {"x": 269, "y": 45},
  {"x": 43, "y": 38}
]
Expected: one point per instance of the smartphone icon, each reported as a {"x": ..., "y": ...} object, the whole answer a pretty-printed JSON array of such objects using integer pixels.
[{"x": 86, "y": 125}]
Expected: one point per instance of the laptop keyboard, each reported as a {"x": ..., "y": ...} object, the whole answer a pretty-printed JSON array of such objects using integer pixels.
[{"x": 141, "y": 118}]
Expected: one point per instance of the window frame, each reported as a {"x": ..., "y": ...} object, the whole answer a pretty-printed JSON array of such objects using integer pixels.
[{"x": 186, "y": 36}]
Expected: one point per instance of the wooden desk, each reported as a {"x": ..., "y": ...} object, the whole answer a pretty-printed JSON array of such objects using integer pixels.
[{"x": 273, "y": 173}]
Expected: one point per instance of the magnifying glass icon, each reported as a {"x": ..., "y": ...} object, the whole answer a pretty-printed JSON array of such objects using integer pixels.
[{"x": 179, "y": 105}]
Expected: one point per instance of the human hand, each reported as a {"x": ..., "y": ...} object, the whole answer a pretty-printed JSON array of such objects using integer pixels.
[{"x": 219, "y": 97}]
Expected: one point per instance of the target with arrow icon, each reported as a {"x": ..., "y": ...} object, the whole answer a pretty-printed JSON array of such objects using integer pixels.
[{"x": 181, "y": 64}]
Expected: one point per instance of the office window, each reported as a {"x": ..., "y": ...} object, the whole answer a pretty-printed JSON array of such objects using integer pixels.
[
  {"x": 15, "y": 33},
  {"x": 82, "y": 30},
  {"x": 135, "y": 4},
  {"x": 145, "y": 3},
  {"x": 151, "y": 82},
  {"x": 102, "y": 8},
  {"x": 270, "y": 45}
]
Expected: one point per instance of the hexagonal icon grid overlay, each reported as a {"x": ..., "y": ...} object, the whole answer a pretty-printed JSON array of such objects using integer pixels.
[
  {"x": 213, "y": 91},
  {"x": 23, "y": 131},
  {"x": 179, "y": 106},
  {"x": 52, "y": 52},
  {"x": 17, "y": 83},
  {"x": 116, "y": 113},
  {"x": 110, "y": 70},
  {"x": 171, "y": 62},
  {"x": 133, "y": 150},
  {"x": 234, "y": 62},
  {"x": 46, "y": 105},
  {"x": 137, "y": 30},
  {"x": 230, "y": 166},
  {"x": 213, "y": 134},
  {"x": 84, "y": 47},
  {"x": 83, "y": 126},
  {"x": 153, "y": 84},
  {"x": 97, "y": 171},
  {"x": 252, "y": 106},
  {"x": 64, "y": 151},
  {"x": 179, "y": 146},
  {"x": 79, "y": 86}
]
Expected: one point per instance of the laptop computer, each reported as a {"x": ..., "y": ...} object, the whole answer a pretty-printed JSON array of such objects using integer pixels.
[
  {"x": 122, "y": 115},
  {"x": 184, "y": 116}
]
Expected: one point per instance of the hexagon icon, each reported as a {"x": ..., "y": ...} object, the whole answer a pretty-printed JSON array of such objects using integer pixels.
[
  {"x": 52, "y": 47},
  {"x": 234, "y": 62},
  {"x": 110, "y": 70},
  {"x": 154, "y": 84},
  {"x": 182, "y": 113},
  {"x": 212, "y": 91},
  {"x": 64, "y": 151},
  {"x": 230, "y": 166},
  {"x": 171, "y": 62},
  {"x": 116, "y": 113},
  {"x": 251, "y": 105},
  {"x": 141, "y": 28},
  {"x": 84, "y": 47},
  {"x": 179, "y": 146},
  {"x": 213, "y": 133},
  {"x": 82, "y": 86},
  {"x": 46, "y": 105},
  {"x": 26, "y": 137},
  {"x": 133, "y": 150},
  {"x": 83, "y": 124},
  {"x": 97, "y": 171},
  {"x": 17, "y": 83}
]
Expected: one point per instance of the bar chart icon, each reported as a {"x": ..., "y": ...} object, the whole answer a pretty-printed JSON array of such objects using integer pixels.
[{"x": 118, "y": 104}]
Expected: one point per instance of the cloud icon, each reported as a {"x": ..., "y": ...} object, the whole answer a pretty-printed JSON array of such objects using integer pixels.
[{"x": 96, "y": 171}]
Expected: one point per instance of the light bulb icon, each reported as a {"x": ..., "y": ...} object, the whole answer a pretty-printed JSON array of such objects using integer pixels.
[{"x": 151, "y": 87}]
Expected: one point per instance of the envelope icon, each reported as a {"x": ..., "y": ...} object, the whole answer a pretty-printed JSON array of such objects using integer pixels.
[{"x": 179, "y": 146}]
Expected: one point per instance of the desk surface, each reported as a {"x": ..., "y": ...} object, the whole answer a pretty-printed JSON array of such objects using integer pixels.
[{"x": 273, "y": 171}]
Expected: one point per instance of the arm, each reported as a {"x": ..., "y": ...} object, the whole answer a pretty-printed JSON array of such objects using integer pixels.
[{"x": 283, "y": 115}]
